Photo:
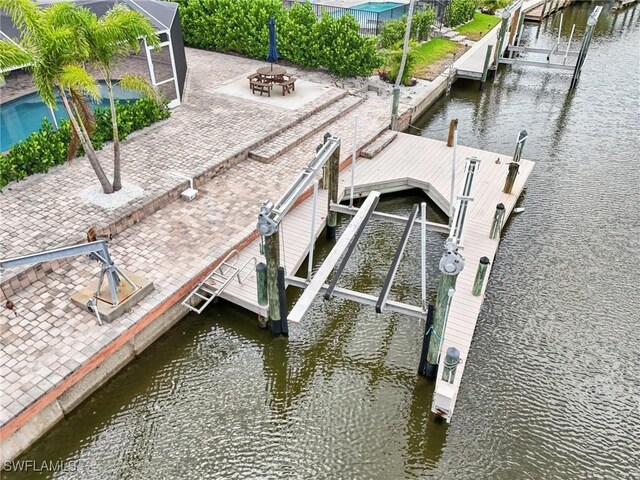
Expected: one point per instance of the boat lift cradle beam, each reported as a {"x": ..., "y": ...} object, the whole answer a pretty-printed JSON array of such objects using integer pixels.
[
  {"x": 363, "y": 298},
  {"x": 272, "y": 214},
  {"x": 393, "y": 269},
  {"x": 317, "y": 282},
  {"x": 97, "y": 250},
  {"x": 352, "y": 246},
  {"x": 432, "y": 226}
]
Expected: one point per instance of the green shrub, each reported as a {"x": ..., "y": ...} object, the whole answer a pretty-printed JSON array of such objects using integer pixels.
[
  {"x": 394, "y": 58},
  {"x": 240, "y": 26},
  {"x": 461, "y": 11},
  {"x": 393, "y": 31},
  {"x": 490, "y": 6},
  {"x": 421, "y": 24},
  {"x": 48, "y": 147},
  {"x": 298, "y": 36},
  {"x": 343, "y": 50}
]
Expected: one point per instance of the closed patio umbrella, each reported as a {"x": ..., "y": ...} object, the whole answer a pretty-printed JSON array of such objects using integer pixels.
[{"x": 272, "y": 56}]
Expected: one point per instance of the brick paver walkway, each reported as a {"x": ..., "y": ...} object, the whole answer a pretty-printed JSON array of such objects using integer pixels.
[{"x": 50, "y": 338}]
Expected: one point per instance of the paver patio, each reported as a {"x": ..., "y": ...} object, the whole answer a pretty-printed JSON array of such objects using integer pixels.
[
  {"x": 50, "y": 338},
  {"x": 43, "y": 211}
]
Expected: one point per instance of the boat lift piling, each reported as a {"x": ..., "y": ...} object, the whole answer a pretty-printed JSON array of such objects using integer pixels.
[{"x": 271, "y": 216}]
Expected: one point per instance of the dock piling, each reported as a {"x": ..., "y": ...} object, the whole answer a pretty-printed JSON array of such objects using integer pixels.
[
  {"x": 453, "y": 125},
  {"x": 451, "y": 362},
  {"x": 272, "y": 254},
  {"x": 422, "y": 365},
  {"x": 496, "y": 226},
  {"x": 511, "y": 177},
  {"x": 451, "y": 265},
  {"x": 261, "y": 283},
  {"x": 332, "y": 171},
  {"x": 480, "y": 274},
  {"x": 506, "y": 15},
  {"x": 487, "y": 63}
]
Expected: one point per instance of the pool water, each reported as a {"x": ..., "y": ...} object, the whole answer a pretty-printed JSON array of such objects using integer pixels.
[
  {"x": 21, "y": 117},
  {"x": 377, "y": 6}
]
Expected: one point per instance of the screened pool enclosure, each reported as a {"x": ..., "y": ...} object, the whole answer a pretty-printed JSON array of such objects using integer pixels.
[{"x": 165, "y": 67}]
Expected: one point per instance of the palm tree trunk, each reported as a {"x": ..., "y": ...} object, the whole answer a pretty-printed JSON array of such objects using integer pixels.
[
  {"x": 117, "y": 180},
  {"x": 86, "y": 144}
]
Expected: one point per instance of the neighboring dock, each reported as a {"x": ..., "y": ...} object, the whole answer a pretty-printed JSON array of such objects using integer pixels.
[{"x": 542, "y": 9}]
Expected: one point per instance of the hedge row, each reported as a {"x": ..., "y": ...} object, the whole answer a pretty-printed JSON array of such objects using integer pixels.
[
  {"x": 393, "y": 31},
  {"x": 48, "y": 147},
  {"x": 240, "y": 26},
  {"x": 461, "y": 11}
]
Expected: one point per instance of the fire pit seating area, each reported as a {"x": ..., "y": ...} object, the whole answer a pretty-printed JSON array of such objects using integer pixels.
[{"x": 265, "y": 78}]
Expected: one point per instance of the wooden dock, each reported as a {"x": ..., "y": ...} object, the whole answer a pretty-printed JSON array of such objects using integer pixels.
[
  {"x": 543, "y": 9},
  {"x": 412, "y": 162}
]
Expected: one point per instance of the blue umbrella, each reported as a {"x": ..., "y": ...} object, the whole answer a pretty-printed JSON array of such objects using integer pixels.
[{"x": 272, "y": 56}]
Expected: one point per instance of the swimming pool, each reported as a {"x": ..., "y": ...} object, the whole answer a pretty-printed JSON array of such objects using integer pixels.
[
  {"x": 378, "y": 6},
  {"x": 21, "y": 117}
]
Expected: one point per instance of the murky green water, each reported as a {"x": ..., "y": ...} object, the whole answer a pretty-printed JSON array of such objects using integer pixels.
[{"x": 552, "y": 388}]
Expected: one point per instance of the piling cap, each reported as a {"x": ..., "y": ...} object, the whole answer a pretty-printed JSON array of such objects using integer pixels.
[
  {"x": 453, "y": 356},
  {"x": 485, "y": 261},
  {"x": 500, "y": 206}
]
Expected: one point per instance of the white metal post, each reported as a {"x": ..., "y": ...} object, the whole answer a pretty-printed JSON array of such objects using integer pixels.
[
  {"x": 53, "y": 117},
  {"x": 560, "y": 29},
  {"x": 177, "y": 101},
  {"x": 453, "y": 173},
  {"x": 353, "y": 158},
  {"x": 313, "y": 229},
  {"x": 423, "y": 253},
  {"x": 569, "y": 44}
]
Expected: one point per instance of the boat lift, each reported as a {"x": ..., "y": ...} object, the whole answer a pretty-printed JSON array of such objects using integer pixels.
[
  {"x": 271, "y": 215},
  {"x": 122, "y": 290},
  {"x": 516, "y": 53}
]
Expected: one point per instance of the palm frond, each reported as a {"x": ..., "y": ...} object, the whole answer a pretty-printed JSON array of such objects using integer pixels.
[
  {"x": 138, "y": 83},
  {"x": 12, "y": 56},
  {"x": 24, "y": 13},
  {"x": 75, "y": 77},
  {"x": 82, "y": 106}
]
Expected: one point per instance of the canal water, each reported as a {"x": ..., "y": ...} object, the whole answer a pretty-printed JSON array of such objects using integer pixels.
[{"x": 552, "y": 386}]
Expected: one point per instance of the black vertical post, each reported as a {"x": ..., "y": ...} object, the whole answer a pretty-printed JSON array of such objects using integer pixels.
[{"x": 282, "y": 295}]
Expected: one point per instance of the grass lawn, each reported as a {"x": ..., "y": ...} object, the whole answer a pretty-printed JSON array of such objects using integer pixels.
[
  {"x": 479, "y": 26},
  {"x": 430, "y": 55},
  {"x": 434, "y": 50}
]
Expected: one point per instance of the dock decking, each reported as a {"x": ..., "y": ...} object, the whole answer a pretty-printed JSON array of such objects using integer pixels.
[{"x": 412, "y": 162}]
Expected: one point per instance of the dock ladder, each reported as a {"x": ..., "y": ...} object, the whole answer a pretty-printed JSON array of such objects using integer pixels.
[
  {"x": 450, "y": 72},
  {"x": 219, "y": 278}
]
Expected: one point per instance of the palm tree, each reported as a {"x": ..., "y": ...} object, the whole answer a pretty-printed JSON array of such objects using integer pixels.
[
  {"x": 53, "y": 48},
  {"x": 111, "y": 38}
]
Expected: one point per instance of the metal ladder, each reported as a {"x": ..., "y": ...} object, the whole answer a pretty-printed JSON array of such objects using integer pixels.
[
  {"x": 219, "y": 278},
  {"x": 450, "y": 76}
]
